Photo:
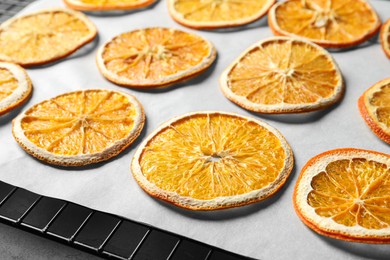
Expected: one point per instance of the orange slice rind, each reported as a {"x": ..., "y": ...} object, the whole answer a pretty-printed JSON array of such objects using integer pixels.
[
  {"x": 15, "y": 86},
  {"x": 80, "y": 128},
  {"x": 45, "y": 36},
  {"x": 385, "y": 38},
  {"x": 343, "y": 194},
  {"x": 154, "y": 57},
  {"x": 283, "y": 75},
  {"x": 107, "y": 5},
  {"x": 374, "y": 106},
  {"x": 330, "y": 23},
  {"x": 212, "y": 160},
  {"x": 213, "y": 14}
]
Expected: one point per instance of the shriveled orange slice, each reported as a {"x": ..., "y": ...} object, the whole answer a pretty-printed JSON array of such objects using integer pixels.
[
  {"x": 374, "y": 106},
  {"x": 385, "y": 38},
  {"x": 283, "y": 75},
  {"x": 154, "y": 57},
  {"x": 15, "y": 86},
  {"x": 212, "y": 14},
  {"x": 80, "y": 128},
  {"x": 212, "y": 160},
  {"x": 329, "y": 23},
  {"x": 344, "y": 194},
  {"x": 106, "y": 5},
  {"x": 44, "y": 36}
]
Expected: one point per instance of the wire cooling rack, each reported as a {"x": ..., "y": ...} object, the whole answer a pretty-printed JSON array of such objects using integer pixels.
[{"x": 9, "y": 8}]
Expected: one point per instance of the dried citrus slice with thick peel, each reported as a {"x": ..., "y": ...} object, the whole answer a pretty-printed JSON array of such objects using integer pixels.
[
  {"x": 15, "y": 86},
  {"x": 213, "y": 160},
  {"x": 80, "y": 128},
  {"x": 329, "y": 23},
  {"x": 106, "y": 5},
  {"x": 374, "y": 106},
  {"x": 385, "y": 38},
  {"x": 154, "y": 57},
  {"x": 344, "y": 194},
  {"x": 212, "y": 14},
  {"x": 44, "y": 36},
  {"x": 283, "y": 75}
]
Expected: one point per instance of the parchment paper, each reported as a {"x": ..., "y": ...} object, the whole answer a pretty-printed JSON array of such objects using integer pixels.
[{"x": 266, "y": 230}]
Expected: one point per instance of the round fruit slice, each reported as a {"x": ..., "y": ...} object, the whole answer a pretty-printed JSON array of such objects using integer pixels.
[
  {"x": 374, "y": 107},
  {"x": 154, "y": 57},
  {"x": 385, "y": 38},
  {"x": 15, "y": 86},
  {"x": 107, "y": 5},
  {"x": 213, "y": 160},
  {"x": 212, "y": 14},
  {"x": 80, "y": 128},
  {"x": 329, "y": 23},
  {"x": 44, "y": 36},
  {"x": 344, "y": 194},
  {"x": 283, "y": 75}
]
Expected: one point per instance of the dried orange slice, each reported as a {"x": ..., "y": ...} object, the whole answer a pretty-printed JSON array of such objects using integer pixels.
[
  {"x": 213, "y": 160},
  {"x": 385, "y": 37},
  {"x": 154, "y": 57},
  {"x": 329, "y": 23},
  {"x": 344, "y": 194},
  {"x": 212, "y": 14},
  {"x": 80, "y": 128},
  {"x": 44, "y": 36},
  {"x": 105, "y": 5},
  {"x": 283, "y": 75},
  {"x": 15, "y": 86},
  {"x": 374, "y": 106}
]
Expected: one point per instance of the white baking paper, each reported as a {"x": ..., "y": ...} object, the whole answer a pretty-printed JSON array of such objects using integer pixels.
[{"x": 265, "y": 230}]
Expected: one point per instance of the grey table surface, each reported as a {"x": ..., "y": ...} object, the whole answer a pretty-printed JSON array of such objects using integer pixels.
[{"x": 266, "y": 230}]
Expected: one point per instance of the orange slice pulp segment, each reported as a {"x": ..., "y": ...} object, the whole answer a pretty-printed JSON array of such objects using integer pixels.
[
  {"x": 211, "y": 160},
  {"x": 44, "y": 36},
  {"x": 154, "y": 57},
  {"x": 329, "y": 23},
  {"x": 283, "y": 75},
  {"x": 216, "y": 13},
  {"x": 80, "y": 127},
  {"x": 344, "y": 194}
]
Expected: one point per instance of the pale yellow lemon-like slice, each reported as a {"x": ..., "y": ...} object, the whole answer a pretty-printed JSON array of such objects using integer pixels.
[
  {"x": 80, "y": 128},
  {"x": 344, "y": 194},
  {"x": 44, "y": 36},
  {"x": 283, "y": 75},
  {"x": 212, "y": 160}
]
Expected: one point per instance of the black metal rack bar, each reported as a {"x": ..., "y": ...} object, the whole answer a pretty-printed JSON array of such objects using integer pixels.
[
  {"x": 103, "y": 234},
  {"x": 9, "y": 8}
]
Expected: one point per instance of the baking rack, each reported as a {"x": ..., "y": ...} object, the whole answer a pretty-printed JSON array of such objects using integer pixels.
[
  {"x": 9, "y": 8},
  {"x": 103, "y": 234}
]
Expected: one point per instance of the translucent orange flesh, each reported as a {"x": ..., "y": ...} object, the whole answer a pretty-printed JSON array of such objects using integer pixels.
[
  {"x": 154, "y": 54},
  {"x": 109, "y": 2},
  {"x": 353, "y": 192},
  {"x": 43, "y": 36},
  {"x": 79, "y": 123},
  {"x": 209, "y": 156},
  {"x": 337, "y": 21},
  {"x": 284, "y": 71},
  {"x": 8, "y": 83},
  {"x": 217, "y": 10},
  {"x": 381, "y": 101}
]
